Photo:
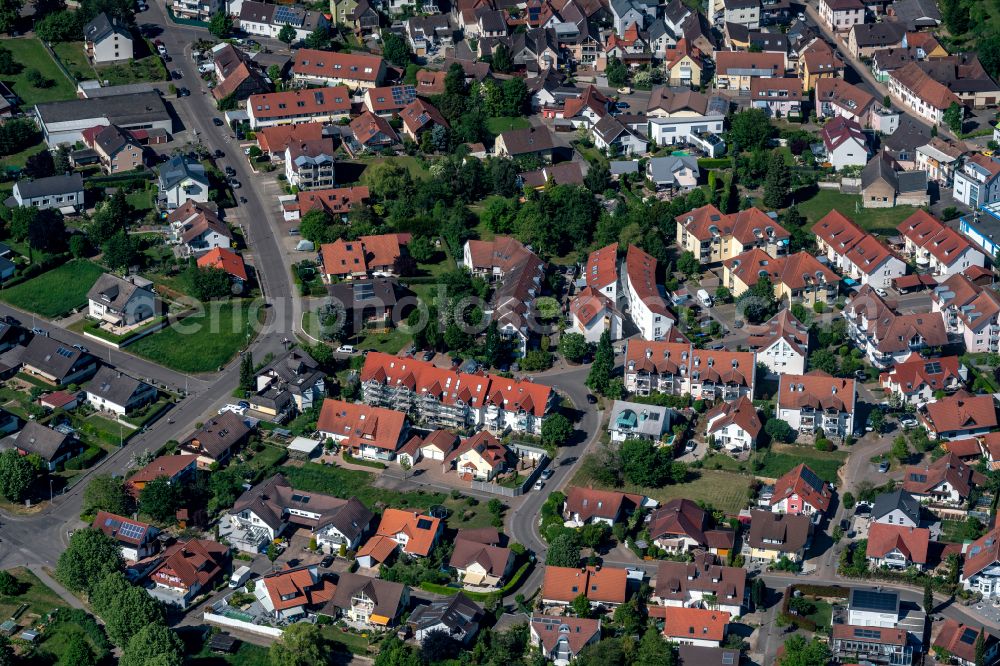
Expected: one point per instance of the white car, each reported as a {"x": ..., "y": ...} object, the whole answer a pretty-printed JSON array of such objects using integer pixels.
[
  {"x": 345, "y": 349},
  {"x": 161, "y": 49},
  {"x": 539, "y": 484},
  {"x": 908, "y": 422},
  {"x": 881, "y": 292},
  {"x": 234, "y": 408}
]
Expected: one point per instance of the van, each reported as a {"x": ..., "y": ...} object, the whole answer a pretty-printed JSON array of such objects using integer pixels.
[
  {"x": 704, "y": 298},
  {"x": 240, "y": 577}
]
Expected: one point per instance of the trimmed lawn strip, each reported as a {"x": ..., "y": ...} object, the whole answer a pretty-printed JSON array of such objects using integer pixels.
[
  {"x": 148, "y": 69},
  {"x": 410, "y": 163},
  {"x": 56, "y": 292},
  {"x": 39, "y": 597},
  {"x": 724, "y": 491},
  {"x": 355, "y": 643},
  {"x": 952, "y": 531},
  {"x": 883, "y": 220},
  {"x": 29, "y": 52},
  {"x": 506, "y": 123}
]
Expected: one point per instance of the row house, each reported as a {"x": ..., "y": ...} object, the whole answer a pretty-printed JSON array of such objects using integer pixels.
[
  {"x": 817, "y": 402},
  {"x": 713, "y": 237},
  {"x": 604, "y": 587},
  {"x": 298, "y": 106},
  {"x": 798, "y": 278},
  {"x": 970, "y": 311},
  {"x": 916, "y": 380},
  {"x": 678, "y": 368},
  {"x": 856, "y": 253},
  {"x": 328, "y": 68},
  {"x": 647, "y": 307},
  {"x": 886, "y": 61},
  {"x": 777, "y": 97},
  {"x": 964, "y": 75},
  {"x": 735, "y": 70},
  {"x": 449, "y": 399},
  {"x": 865, "y": 38},
  {"x": 817, "y": 61},
  {"x": 688, "y": 584},
  {"x": 940, "y": 158},
  {"x": 781, "y": 343},
  {"x": 936, "y": 247},
  {"x": 977, "y": 183},
  {"x": 886, "y": 337},
  {"x": 921, "y": 93},
  {"x": 838, "y": 98},
  {"x": 958, "y": 416},
  {"x": 264, "y": 20}
]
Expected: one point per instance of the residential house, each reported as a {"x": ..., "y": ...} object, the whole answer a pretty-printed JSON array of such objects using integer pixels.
[
  {"x": 779, "y": 97},
  {"x": 678, "y": 369},
  {"x": 916, "y": 13},
  {"x": 920, "y": 92},
  {"x": 687, "y": 584},
  {"x": 969, "y": 310},
  {"x": 940, "y": 158},
  {"x": 53, "y": 447},
  {"x": 683, "y": 116},
  {"x": 528, "y": 141},
  {"x": 366, "y": 256},
  {"x": 237, "y": 75},
  {"x": 584, "y": 506},
  {"x": 429, "y": 35},
  {"x": 337, "y": 201},
  {"x": 965, "y": 77},
  {"x": 898, "y": 546},
  {"x": 216, "y": 439},
  {"x": 309, "y": 165},
  {"x": 677, "y": 173},
  {"x": 188, "y": 569},
  {"x": 695, "y": 626},
  {"x": 936, "y": 247},
  {"x": 480, "y": 457},
  {"x": 112, "y": 391},
  {"x": 977, "y": 183},
  {"x": 916, "y": 380},
  {"x": 713, "y": 237},
  {"x": 781, "y": 343},
  {"x": 592, "y": 313},
  {"x": 560, "y": 639},
  {"x": 630, "y": 420},
  {"x": 457, "y": 617},
  {"x": 838, "y": 98},
  {"x": 817, "y": 61},
  {"x": 898, "y": 508},
  {"x": 865, "y": 38},
  {"x": 175, "y": 468},
  {"x": 63, "y": 192},
  {"x": 610, "y": 134},
  {"x": 273, "y": 140},
  {"x": 841, "y": 15},
  {"x": 449, "y": 399},
  {"x": 369, "y": 133},
  {"x": 55, "y": 362},
  {"x": 136, "y": 540},
  {"x": 181, "y": 180},
  {"x": 117, "y": 149},
  {"x": 680, "y": 526},
  {"x": 817, "y": 402},
  {"x": 479, "y": 566},
  {"x": 647, "y": 307},
  {"x": 430, "y": 82},
  {"x": 374, "y": 603},
  {"x": 868, "y": 607},
  {"x": 196, "y": 10},
  {"x": 292, "y": 107},
  {"x": 196, "y": 228},
  {"x": 374, "y": 433},
  {"x": 289, "y": 594},
  {"x": 266, "y": 20},
  {"x": 683, "y": 65},
  {"x": 601, "y": 272},
  {"x": 742, "y": 12},
  {"x": 415, "y": 533},
  {"x": 886, "y": 61},
  {"x": 438, "y": 444},
  {"x": 774, "y": 536},
  {"x": 947, "y": 481},
  {"x": 696, "y": 655},
  {"x": 876, "y": 644},
  {"x": 388, "y": 101},
  {"x": 734, "y": 426},
  {"x": 959, "y": 415},
  {"x": 958, "y": 640},
  {"x": 107, "y": 40},
  {"x": 734, "y": 70},
  {"x": 329, "y": 68},
  {"x": 798, "y": 278},
  {"x": 845, "y": 143},
  {"x": 564, "y": 173},
  {"x": 224, "y": 259},
  {"x": 856, "y": 253},
  {"x": 121, "y": 302},
  {"x": 604, "y": 587},
  {"x": 290, "y": 383},
  {"x": 420, "y": 116},
  {"x": 981, "y": 570},
  {"x": 800, "y": 491},
  {"x": 885, "y": 185}
]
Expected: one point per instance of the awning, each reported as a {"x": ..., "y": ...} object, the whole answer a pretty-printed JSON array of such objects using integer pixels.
[
  {"x": 378, "y": 619},
  {"x": 473, "y": 578}
]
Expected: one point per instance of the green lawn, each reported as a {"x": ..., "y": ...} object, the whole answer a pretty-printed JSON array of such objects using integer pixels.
[
  {"x": 203, "y": 342},
  {"x": 67, "y": 626},
  {"x": 141, "y": 200},
  {"x": 882, "y": 220},
  {"x": 148, "y": 69},
  {"x": 724, "y": 491},
  {"x": 247, "y": 654},
  {"x": 103, "y": 432},
  {"x": 782, "y": 458},
  {"x": 345, "y": 483},
  {"x": 355, "y": 643},
  {"x": 390, "y": 342},
  {"x": 823, "y": 617},
  {"x": 412, "y": 164},
  {"x": 952, "y": 531},
  {"x": 505, "y": 123},
  {"x": 34, "y": 592},
  {"x": 74, "y": 59},
  {"x": 18, "y": 160},
  {"x": 56, "y": 292},
  {"x": 29, "y": 52}
]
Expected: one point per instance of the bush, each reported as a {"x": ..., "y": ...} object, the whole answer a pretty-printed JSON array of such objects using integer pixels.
[{"x": 823, "y": 444}]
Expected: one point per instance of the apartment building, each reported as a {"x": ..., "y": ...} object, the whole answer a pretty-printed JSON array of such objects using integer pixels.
[
  {"x": 936, "y": 247},
  {"x": 298, "y": 106},
  {"x": 354, "y": 70},
  {"x": 817, "y": 402},
  {"x": 856, "y": 253},
  {"x": 713, "y": 237},
  {"x": 886, "y": 337},
  {"x": 798, "y": 278},
  {"x": 677, "y": 368}
]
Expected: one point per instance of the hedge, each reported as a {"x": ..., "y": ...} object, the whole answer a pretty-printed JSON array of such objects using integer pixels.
[
  {"x": 714, "y": 162},
  {"x": 484, "y": 597},
  {"x": 835, "y": 591},
  {"x": 361, "y": 461}
]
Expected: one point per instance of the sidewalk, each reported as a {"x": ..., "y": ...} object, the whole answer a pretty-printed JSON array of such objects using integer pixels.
[{"x": 51, "y": 582}]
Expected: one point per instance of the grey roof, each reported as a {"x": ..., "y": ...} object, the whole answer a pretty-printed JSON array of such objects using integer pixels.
[
  {"x": 886, "y": 33},
  {"x": 178, "y": 168},
  {"x": 867, "y": 599},
  {"x": 662, "y": 169},
  {"x": 104, "y": 26},
  {"x": 386, "y": 595},
  {"x": 657, "y": 29},
  {"x": 112, "y": 291},
  {"x": 294, "y": 369},
  {"x": 39, "y": 439},
  {"x": 492, "y": 20},
  {"x": 112, "y": 139},
  {"x": 53, "y": 357},
  {"x": 220, "y": 433},
  {"x": 909, "y": 136},
  {"x": 697, "y": 655},
  {"x": 71, "y": 182},
  {"x": 115, "y": 91},
  {"x": 881, "y": 167},
  {"x": 917, "y": 13},
  {"x": 886, "y": 503},
  {"x": 459, "y": 614},
  {"x": 132, "y": 109},
  {"x": 114, "y": 386},
  {"x": 351, "y": 518},
  {"x": 912, "y": 181},
  {"x": 609, "y": 128},
  {"x": 619, "y": 167},
  {"x": 365, "y": 292},
  {"x": 649, "y": 420}
]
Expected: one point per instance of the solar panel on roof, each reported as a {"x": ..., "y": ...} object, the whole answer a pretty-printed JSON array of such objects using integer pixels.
[
  {"x": 867, "y": 633},
  {"x": 933, "y": 368},
  {"x": 810, "y": 477},
  {"x": 62, "y": 351},
  {"x": 969, "y": 636},
  {"x": 872, "y": 600},
  {"x": 131, "y": 531},
  {"x": 423, "y": 524},
  {"x": 287, "y": 15}
]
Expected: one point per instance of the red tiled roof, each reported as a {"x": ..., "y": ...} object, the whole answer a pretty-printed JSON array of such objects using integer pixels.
[
  {"x": 687, "y": 624},
  {"x": 912, "y": 542},
  {"x": 839, "y": 130},
  {"x": 931, "y": 91},
  {"x": 590, "y": 503},
  {"x": 927, "y": 232},
  {"x": 332, "y": 100},
  {"x": 224, "y": 259},
  {"x": 740, "y": 412},
  {"x": 817, "y": 390},
  {"x": 418, "y": 114},
  {"x": 982, "y": 552},
  {"x": 357, "y": 257},
  {"x": 338, "y": 201},
  {"x": 598, "y": 584},
  {"x": 331, "y": 65},
  {"x": 422, "y": 530},
  {"x": 917, "y": 372},
  {"x": 790, "y": 87},
  {"x": 578, "y": 632},
  {"x": 602, "y": 267},
  {"x": 640, "y": 268},
  {"x": 923, "y": 479},
  {"x": 589, "y": 303},
  {"x": 191, "y": 563},
  {"x": 803, "y": 482},
  {"x": 168, "y": 466},
  {"x": 362, "y": 424},
  {"x": 845, "y": 95},
  {"x": 297, "y": 587},
  {"x": 767, "y": 64},
  {"x": 430, "y": 83},
  {"x": 959, "y": 639},
  {"x": 111, "y": 524},
  {"x": 276, "y": 139},
  {"x": 962, "y": 412},
  {"x": 782, "y": 326},
  {"x": 367, "y": 126}
]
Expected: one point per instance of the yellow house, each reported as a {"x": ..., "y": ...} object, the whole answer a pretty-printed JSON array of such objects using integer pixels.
[
  {"x": 818, "y": 61},
  {"x": 713, "y": 237},
  {"x": 480, "y": 457},
  {"x": 766, "y": 544},
  {"x": 798, "y": 278},
  {"x": 682, "y": 65}
]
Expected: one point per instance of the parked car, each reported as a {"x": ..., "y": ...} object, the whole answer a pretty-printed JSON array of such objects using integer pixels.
[
  {"x": 861, "y": 375},
  {"x": 345, "y": 349},
  {"x": 428, "y": 355},
  {"x": 176, "y": 75},
  {"x": 326, "y": 561},
  {"x": 690, "y": 447},
  {"x": 883, "y": 466},
  {"x": 591, "y": 399},
  {"x": 881, "y": 292},
  {"x": 217, "y": 122},
  {"x": 547, "y": 473},
  {"x": 183, "y": 92},
  {"x": 539, "y": 484},
  {"x": 219, "y": 154},
  {"x": 40, "y": 331},
  {"x": 230, "y": 171},
  {"x": 233, "y": 408},
  {"x": 81, "y": 348},
  {"x": 908, "y": 422},
  {"x": 243, "y": 200},
  {"x": 240, "y": 577}
]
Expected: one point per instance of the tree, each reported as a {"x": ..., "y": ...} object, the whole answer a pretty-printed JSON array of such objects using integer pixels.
[
  {"x": 47, "y": 232},
  {"x": 644, "y": 464},
  {"x": 106, "y": 493},
  {"x": 16, "y": 475},
  {"x": 157, "y": 645},
  {"x": 40, "y": 165},
  {"x": 688, "y": 264},
  {"x": 628, "y": 617},
  {"x": 980, "y": 648},
  {"x": 8, "y": 65},
  {"x": 779, "y": 431},
  {"x": 120, "y": 251},
  {"x": 573, "y": 347},
  {"x": 988, "y": 50},
  {"x": 953, "y": 117},
  {"x": 319, "y": 38},
  {"x": 90, "y": 557},
  {"x": 750, "y": 130},
  {"x": 800, "y": 653},
  {"x": 502, "y": 61},
  {"x": 731, "y": 201},
  {"x": 78, "y": 246},
  {"x": 301, "y": 644},
  {"x": 564, "y": 551},
  {"x": 654, "y": 650},
  {"x": 246, "y": 372},
  {"x": 16, "y": 135},
  {"x": 556, "y": 430},
  {"x": 274, "y": 74},
  {"x": 599, "y": 377},
  {"x": 393, "y": 652},
  {"x": 221, "y": 24},
  {"x": 928, "y": 597},
  {"x": 125, "y": 608},
  {"x": 209, "y": 282},
  {"x": 60, "y": 26},
  {"x": 758, "y": 592},
  {"x": 438, "y": 646},
  {"x": 602, "y": 653},
  {"x": 159, "y": 499},
  {"x": 9, "y": 587},
  {"x": 757, "y": 303},
  {"x": 395, "y": 49},
  {"x": 616, "y": 72},
  {"x": 580, "y": 605},
  {"x": 10, "y": 12},
  {"x": 286, "y": 34},
  {"x": 7, "y": 657},
  {"x": 598, "y": 178},
  {"x": 876, "y": 419},
  {"x": 900, "y": 451},
  {"x": 778, "y": 180},
  {"x": 78, "y": 651}
]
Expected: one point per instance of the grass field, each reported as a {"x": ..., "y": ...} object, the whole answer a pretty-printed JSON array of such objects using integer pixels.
[
  {"x": 34, "y": 592},
  {"x": 19, "y": 159},
  {"x": 29, "y": 52},
  {"x": 56, "y": 292},
  {"x": 412, "y": 164},
  {"x": 723, "y": 490},
  {"x": 203, "y": 342},
  {"x": 74, "y": 59},
  {"x": 149, "y": 69},
  {"x": 883, "y": 220},
  {"x": 505, "y": 123},
  {"x": 354, "y": 643},
  {"x": 341, "y": 482},
  {"x": 390, "y": 342},
  {"x": 952, "y": 531},
  {"x": 782, "y": 458}
]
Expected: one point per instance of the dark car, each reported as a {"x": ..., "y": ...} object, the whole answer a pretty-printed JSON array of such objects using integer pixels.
[
  {"x": 428, "y": 355},
  {"x": 183, "y": 92},
  {"x": 326, "y": 561},
  {"x": 591, "y": 399},
  {"x": 230, "y": 171},
  {"x": 176, "y": 74},
  {"x": 217, "y": 122},
  {"x": 11, "y": 321},
  {"x": 219, "y": 154},
  {"x": 243, "y": 200}
]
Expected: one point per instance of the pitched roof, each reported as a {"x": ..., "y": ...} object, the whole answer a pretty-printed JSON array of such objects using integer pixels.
[
  {"x": 226, "y": 260},
  {"x": 422, "y": 530},
  {"x": 677, "y": 581},
  {"x": 589, "y": 503},
  {"x": 803, "y": 482},
  {"x": 820, "y": 57},
  {"x": 41, "y": 440},
  {"x": 337, "y": 201},
  {"x": 777, "y": 89},
  {"x": 959, "y": 639},
  {"x": 742, "y": 62},
  {"x": 331, "y": 100},
  {"x": 493, "y": 559},
  {"x": 528, "y": 140},
  {"x": 782, "y": 326},
  {"x": 299, "y": 586},
  {"x": 368, "y": 127},
  {"x": 687, "y": 624},
  {"x": 886, "y": 33},
  {"x": 897, "y": 500},
  {"x": 602, "y": 267},
  {"x": 219, "y": 433},
  {"x": 679, "y": 517},
  {"x": 333, "y": 65},
  {"x": 362, "y": 424},
  {"x": 186, "y": 564},
  {"x": 102, "y": 26},
  {"x": 839, "y": 131},
  {"x": 576, "y": 631},
  {"x": 588, "y": 304},
  {"x": 640, "y": 268},
  {"x": 747, "y": 226},
  {"x": 916, "y": 372},
  {"x": 195, "y": 220},
  {"x": 344, "y": 257},
  {"x": 418, "y": 114},
  {"x": 817, "y": 390},
  {"x": 982, "y": 552},
  {"x": 378, "y": 548},
  {"x": 672, "y": 100},
  {"x": 112, "y": 291},
  {"x": 927, "y": 232},
  {"x": 274, "y": 501},
  {"x": 845, "y": 95},
  {"x": 961, "y": 411},
  {"x": 740, "y": 412},
  {"x": 168, "y": 466},
  {"x": 783, "y": 532},
  {"x": 386, "y": 596},
  {"x": 598, "y": 584},
  {"x": 459, "y": 614},
  {"x": 928, "y": 89},
  {"x": 912, "y": 542},
  {"x": 52, "y": 357},
  {"x": 870, "y": 634},
  {"x": 114, "y": 386},
  {"x": 275, "y": 139},
  {"x": 122, "y": 529},
  {"x": 795, "y": 271},
  {"x": 949, "y": 468}
]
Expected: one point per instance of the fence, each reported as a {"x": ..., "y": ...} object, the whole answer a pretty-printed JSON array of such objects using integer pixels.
[
  {"x": 223, "y": 621},
  {"x": 517, "y": 491}
]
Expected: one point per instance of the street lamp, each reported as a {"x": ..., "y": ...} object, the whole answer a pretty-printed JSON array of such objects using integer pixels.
[{"x": 51, "y": 495}]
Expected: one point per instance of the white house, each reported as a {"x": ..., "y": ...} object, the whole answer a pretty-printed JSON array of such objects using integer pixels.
[
  {"x": 781, "y": 343},
  {"x": 856, "y": 253},
  {"x": 817, "y": 402},
  {"x": 687, "y": 584},
  {"x": 678, "y": 116},
  {"x": 896, "y": 508},
  {"x": 592, "y": 313},
  {"x": 63, "y": 192},
  {"x": 121, "y": 301},
  {"x": 978, "y": 181},
  {"x": 981, "y": 572},
  {"x": 113, "y": 391},
  {"x": 937, "y": 247},
  {"x": 107, "y": 40},
  {"x": 457, "y": 617},
  {"x": 632, "y": 420},
  {"x": 180, "y": 180},
  {"x": 648, "y": 309},
  {"x": 868, "y": 607},
  {"x": 288, "y": 594},
  {"x": 734, "y": 426},
  {"x": 845, "y": 143},
  {"x": 917, "y": 379}
]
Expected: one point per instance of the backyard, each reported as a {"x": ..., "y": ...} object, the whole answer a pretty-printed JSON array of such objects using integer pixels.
[
  {"x": 18, "y": 160},
  {"x": 505, "y": 123},
  {"x": 57, "y": 292},
  {"x": 882, "y": 220},
  {"x": 782, "y": 458},
  {"x": 203, "y": 342},
  {"x": 38, "y": 597},
  {"x": 29, "y": 52},
  {"x": 74, "y": 59},
  {"x": 725, "y": 491}
]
